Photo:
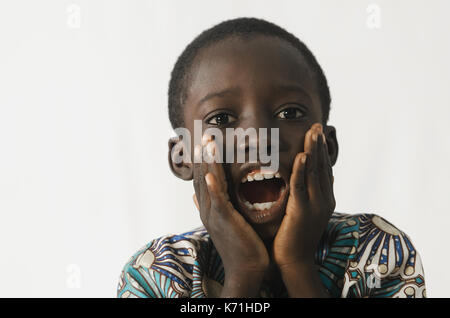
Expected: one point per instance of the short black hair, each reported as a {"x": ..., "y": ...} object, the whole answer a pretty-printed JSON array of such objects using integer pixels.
[{"x": 244, "y": 28}]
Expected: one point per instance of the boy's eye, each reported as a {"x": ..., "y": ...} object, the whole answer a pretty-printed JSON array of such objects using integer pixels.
[
  {"x": 221, "y": 119},
  {"x": 290, "y": 113}
]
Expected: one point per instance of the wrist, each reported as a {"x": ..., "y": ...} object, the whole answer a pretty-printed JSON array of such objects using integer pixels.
[
  {"x": 298, "y": 270},
  {"x": 242, "y": 284},
  {"x": 303, "y": 263},
  {"x": 302, "y": 280}
]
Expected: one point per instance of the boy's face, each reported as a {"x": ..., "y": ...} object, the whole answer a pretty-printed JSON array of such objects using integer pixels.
[{"x": 262, "y": 83}]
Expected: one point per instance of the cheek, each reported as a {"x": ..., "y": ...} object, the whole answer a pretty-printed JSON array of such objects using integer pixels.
[{"x": 291, "y": 144}]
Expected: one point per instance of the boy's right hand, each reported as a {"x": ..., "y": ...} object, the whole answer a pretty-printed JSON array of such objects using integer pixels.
[{"x": 244, "y": 255}]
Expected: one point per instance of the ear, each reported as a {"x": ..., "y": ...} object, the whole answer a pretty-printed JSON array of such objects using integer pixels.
[
  {"x": 180, "y": 167},
  {"x": 332, "y": 143}
]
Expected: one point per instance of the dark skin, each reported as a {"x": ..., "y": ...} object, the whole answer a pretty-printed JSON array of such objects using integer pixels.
[{"x": 267, "y": 84}]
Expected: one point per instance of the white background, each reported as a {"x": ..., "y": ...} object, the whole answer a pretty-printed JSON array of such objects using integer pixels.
[{"x": 84, "y": 179}]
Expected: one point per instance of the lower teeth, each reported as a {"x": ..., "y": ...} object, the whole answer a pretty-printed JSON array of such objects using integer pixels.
[{"x": 259, "y": 206}]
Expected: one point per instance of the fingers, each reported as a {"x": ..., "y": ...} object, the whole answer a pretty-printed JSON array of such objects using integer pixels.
[
  {"x": 218, "y": 192},
  {"x": 312, "y": 165},
  {"x": 329, "y": 177},
  {"x": 319, "y": 176},
  {"x": 324, "y": 170},
  {"x": 197, "y": 170},
  {"x": 328, "y": 163},
  {"x": 217, "y": 169},
  {"x": 209, "y": 181},
  {"x": 201, "y": 198},
  {"x": 194, "y": 197},
  {"x": 298, "y": 179},
  {"x": 219, "y": 199},
  {"x": 205, "y": 202},
  {"x": 309, "y": 143}
]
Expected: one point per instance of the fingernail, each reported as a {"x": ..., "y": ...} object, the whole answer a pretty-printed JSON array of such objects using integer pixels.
[
  {"x": 205, "y": 139},
  {"x": 197, "y": 153},
  {"x": 211, "y": 150},
  {"x": 303, "y": 159},
  {"x": 318, "y": 126},
  {"x": 208, "y": 182}
]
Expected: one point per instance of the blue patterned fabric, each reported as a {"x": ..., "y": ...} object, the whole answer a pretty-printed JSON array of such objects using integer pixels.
[{"x": 360, "y": 255}]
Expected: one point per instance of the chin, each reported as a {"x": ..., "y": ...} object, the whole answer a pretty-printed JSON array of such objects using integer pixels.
[{"x": 267, "y": 232}]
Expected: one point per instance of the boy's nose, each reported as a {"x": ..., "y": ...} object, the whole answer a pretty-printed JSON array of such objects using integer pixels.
[{"x": 262, "y": 138}]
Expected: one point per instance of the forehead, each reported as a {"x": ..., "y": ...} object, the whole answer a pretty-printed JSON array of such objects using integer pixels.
[{"x": 257, "y": 64}]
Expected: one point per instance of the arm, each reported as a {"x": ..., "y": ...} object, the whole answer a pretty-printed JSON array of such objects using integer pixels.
[
  {"x": 309, "y": 208},
  {"x": 244, "y": 256},
  {"x": 241, "y": 285},
  {"x": 303, "y": 281}
]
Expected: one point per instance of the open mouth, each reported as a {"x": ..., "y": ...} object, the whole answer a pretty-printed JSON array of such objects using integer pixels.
[{"x": 262, "y": 194}]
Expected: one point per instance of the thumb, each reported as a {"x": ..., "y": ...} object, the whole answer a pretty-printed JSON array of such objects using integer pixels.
[{"x": 194, "y": 197}]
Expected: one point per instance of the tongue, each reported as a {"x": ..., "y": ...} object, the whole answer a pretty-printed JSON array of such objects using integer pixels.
[{"x": 267, "y": 190}]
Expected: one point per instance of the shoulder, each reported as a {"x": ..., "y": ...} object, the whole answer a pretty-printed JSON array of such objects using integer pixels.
[
  {"x": 364, "y": 226},
  {"x": 163, "y": 267},
  {"x": 383, "y": 261}
]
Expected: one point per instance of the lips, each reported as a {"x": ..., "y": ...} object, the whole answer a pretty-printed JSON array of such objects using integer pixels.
[{"x": 261, "y": 194}]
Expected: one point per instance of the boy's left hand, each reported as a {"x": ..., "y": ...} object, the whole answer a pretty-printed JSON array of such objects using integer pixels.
[{"x": 310, "y": 204}]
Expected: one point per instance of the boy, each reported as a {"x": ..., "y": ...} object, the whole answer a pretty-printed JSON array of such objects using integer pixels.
[{"x": 267, "y": 233}]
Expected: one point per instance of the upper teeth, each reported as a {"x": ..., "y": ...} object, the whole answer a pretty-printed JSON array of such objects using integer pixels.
[
  {"x": 258, "y": 176},
  {"x": 259, "y": 206}
]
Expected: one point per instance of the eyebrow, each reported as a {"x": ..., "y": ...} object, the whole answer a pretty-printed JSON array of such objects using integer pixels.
[
  {"x": 294, "y": 88},
  {"x": 285, "y": 87},
  {"x": 218, "y": 94}
]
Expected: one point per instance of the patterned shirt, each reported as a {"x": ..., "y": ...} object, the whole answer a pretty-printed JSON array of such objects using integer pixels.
[{"x": 359, "y": 255}]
